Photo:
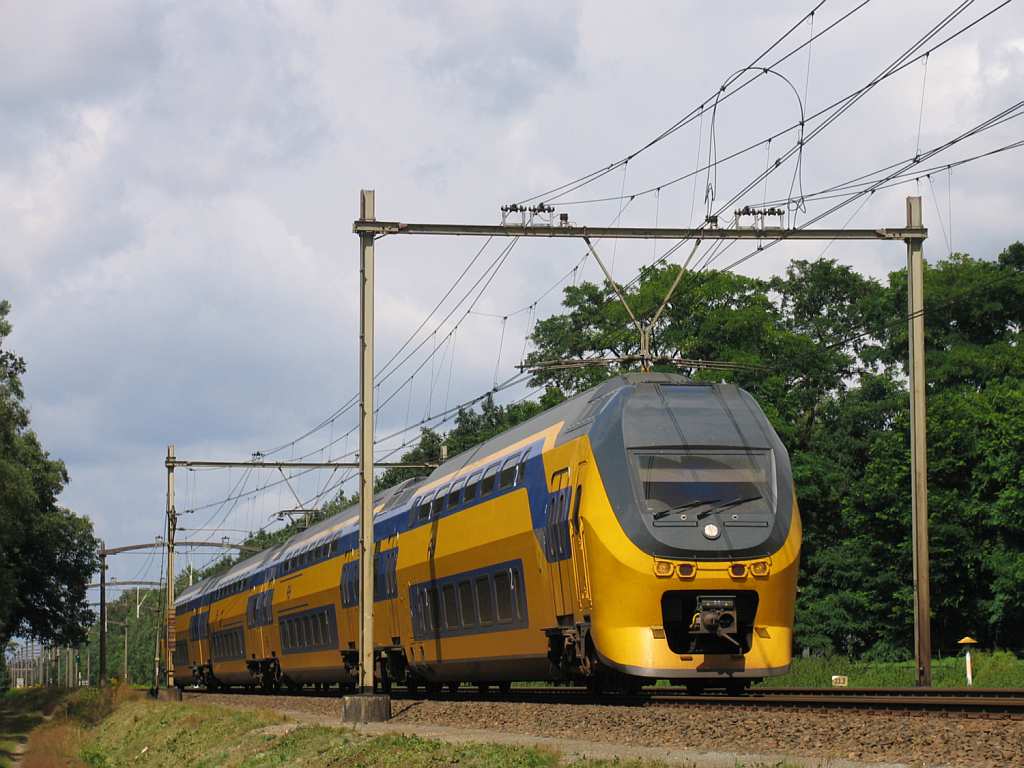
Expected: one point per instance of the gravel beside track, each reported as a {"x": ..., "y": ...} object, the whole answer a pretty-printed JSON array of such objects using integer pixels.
[{"x": 918, "y": 739}]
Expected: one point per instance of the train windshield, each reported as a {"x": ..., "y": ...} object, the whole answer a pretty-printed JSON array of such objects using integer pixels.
[{"x": 743, "y": 480}]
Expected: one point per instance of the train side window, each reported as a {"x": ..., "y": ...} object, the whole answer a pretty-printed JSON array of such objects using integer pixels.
[
  {"x": 423, "y": 511},
  {"x": 503, "y": 593},
  {"x": 433, "y": 609},
  {"x": 452, "y": 619},
  {"x": 485, "y": 600},
  {"x": 518, "y": 594},
  {"x": 421, "y": 600},
  {"x": 467, "y": 603},
  {"x": 437, "y": 504},
  {"x": 472, "y": 486},
  {"x": 508, "y": 473},
  {"x": 487, "y": 485},
  {"x": 454, "y": 496}
]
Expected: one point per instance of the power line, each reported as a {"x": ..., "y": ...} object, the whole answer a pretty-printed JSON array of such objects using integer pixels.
[
  {"x": 570, "y": 186},
  {"x": 853, "y": 95}
]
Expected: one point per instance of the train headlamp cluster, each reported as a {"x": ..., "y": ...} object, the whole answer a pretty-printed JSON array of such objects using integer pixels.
[{"x": 665, "y": 568}]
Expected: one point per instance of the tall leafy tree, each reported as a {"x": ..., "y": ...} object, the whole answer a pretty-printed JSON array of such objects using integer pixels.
[{"x": 47, "y": 553}]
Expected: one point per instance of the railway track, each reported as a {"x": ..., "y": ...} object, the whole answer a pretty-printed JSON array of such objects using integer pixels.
[{"x": 977, "y": 702}]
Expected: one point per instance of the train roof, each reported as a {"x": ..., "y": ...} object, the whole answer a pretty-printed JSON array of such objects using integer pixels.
[{"x": 576, "y": 414}]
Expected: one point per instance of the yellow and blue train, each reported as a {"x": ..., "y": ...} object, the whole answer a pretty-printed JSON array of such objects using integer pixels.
[{"x": 645, "y": 529}]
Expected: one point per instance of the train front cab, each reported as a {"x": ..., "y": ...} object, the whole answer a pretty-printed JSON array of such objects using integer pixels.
[{"x": 693, "y": 549}]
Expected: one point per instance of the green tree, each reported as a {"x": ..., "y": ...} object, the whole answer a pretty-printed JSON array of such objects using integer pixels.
[{"x": 47, "y": 553}]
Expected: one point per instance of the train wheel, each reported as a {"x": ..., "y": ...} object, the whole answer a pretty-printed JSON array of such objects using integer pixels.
[
  {"x": 694, "y": 688},
  {"x": 482, "y": 687},
  {"x": 453, "y": 687},
  {"x": 505, "y": 687},
  {"x": 412, "y": 685},
  {"x": 433, "y": 689}
]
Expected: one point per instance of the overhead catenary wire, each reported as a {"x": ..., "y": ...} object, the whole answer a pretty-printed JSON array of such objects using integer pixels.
[
  {"x": 554, "y": 193},
  {"x": 823, "y": 112}
]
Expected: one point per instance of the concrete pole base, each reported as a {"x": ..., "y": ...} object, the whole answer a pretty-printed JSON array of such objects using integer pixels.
[
  {"x": 168, "y": 694},
  {"x": 366, "y": 708}
]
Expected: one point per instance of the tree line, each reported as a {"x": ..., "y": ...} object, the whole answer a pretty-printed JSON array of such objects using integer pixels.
[{"x": 47, "y": 553}]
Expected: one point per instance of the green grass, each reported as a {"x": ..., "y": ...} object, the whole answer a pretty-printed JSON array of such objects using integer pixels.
[
  {"x": 999, "y": 669},
  {"x": 21, "y": 711},
  {"x": 204, "y": 736}
]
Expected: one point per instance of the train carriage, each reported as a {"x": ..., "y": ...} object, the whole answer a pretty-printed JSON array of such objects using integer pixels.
[{"x": 644, "y": 529}]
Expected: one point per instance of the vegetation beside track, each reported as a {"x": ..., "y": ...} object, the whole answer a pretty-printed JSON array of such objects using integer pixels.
[
  {"x": 119, "y": 726},
  {"x": 999, "y": 669}
]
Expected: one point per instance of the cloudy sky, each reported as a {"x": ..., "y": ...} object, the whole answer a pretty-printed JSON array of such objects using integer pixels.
[{"x": 178, "y": 183}]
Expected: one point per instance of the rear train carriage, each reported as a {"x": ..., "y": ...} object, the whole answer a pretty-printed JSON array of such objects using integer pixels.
[{"x": 644, "y": 529}]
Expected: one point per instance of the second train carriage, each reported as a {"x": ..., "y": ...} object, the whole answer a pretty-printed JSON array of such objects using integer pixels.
[{"x": 644, "y": 529}]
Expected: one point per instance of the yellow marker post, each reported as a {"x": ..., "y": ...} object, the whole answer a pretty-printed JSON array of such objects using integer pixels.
[{"x": 967, "y": 641}]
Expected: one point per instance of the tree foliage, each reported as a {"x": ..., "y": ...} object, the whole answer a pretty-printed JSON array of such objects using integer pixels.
[
  {"x": 826, "y": 349},
  {"x": 47, "y": 553}
]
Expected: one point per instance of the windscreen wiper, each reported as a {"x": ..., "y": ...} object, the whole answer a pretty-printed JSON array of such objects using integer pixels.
[
  {"x": 681, "y": 507},
  {"x": 731, "y": 503}
]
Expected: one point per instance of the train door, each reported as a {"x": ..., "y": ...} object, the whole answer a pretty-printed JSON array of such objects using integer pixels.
[
  {"x": 558, "y": 547},
  {"x": 581, "y": 574}
]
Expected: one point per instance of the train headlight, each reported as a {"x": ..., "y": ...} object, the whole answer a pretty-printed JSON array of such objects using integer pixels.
[
  {"x": 663, "y": 568},
  {"x": 760, "y": 568},
  {"x": 712, "y": 531},
  {"x": 738, "y": 571},
  {"x": 686, "y": 570}
]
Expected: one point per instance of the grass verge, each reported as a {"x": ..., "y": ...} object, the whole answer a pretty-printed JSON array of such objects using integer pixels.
[
  {"x": 92, "y": 729},
  {"x": 20, "y": 712},
  {"x": 998, "y": 669}
]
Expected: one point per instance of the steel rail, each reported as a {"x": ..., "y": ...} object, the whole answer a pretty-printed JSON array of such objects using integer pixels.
[{"x": 948, "y": 701}]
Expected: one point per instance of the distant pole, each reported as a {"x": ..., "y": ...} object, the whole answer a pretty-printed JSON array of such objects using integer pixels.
[
  {"x": 103, "y": 615},
  {"x": 918, "y": 446},
  {"x": 172, "y": 524},
  {"x": 126, "y": 650},
  {"x": 366, "y": 212}
]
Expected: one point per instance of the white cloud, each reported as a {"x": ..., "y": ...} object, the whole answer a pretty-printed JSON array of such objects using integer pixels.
[{"x": 178, "y": 181}]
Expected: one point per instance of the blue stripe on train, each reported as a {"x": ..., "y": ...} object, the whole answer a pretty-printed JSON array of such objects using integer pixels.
[{"x": 400, "y": 520}]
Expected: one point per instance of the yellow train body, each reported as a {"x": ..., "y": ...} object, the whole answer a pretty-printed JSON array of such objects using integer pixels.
[{"x": 540, "y": 555}]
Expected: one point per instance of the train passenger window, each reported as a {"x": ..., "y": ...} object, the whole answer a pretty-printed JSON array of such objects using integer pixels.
[
  {"x": 485, "y": 600},
  {"x": 508, "y": 473},
  {"x": 503, "y": 592},
  {"x": 437, "y": 505},
  {"x": 429, "y": 608},
  {"x": 452, "y": 619},
  {"x": 316, "y": 632},
  {"x": 472, "y": 486},
  {"x": 423, "y": 510},
  {"x": 487, "y": 485},
  {"x": 467, "y": 603},
  {"x": 518, "y": 594},
  {"x": 421, "y": 609},
  {"x": 453, "y": 497}
]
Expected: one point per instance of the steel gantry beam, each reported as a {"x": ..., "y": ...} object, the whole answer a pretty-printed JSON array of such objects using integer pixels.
[
  {"x": 377, "y": 228},
  {"x": 369, "y": 228}
]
